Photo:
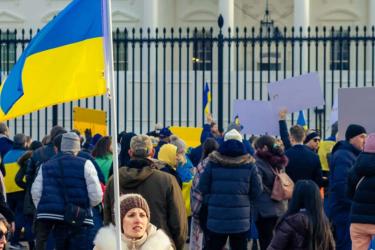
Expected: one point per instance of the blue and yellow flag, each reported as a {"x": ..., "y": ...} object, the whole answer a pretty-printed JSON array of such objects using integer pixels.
[
  {"x": 301, "y": 120},
  {"x": 65, "y": 61},
  {"x": 206, "y": 98}
]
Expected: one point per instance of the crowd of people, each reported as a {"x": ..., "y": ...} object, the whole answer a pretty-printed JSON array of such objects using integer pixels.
[{"x": 262, "y": 193}]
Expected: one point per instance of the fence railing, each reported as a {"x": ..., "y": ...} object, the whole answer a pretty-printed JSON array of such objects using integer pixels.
[{"x": 160, "y": 74}]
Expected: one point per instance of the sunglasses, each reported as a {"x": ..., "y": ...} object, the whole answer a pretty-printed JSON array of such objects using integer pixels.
[
  {"x": 5, "y": 234},
  {"x": 316, "y": 140}
]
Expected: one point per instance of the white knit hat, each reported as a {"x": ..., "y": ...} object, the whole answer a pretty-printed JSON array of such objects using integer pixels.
[{"x": 233, "y": 135}]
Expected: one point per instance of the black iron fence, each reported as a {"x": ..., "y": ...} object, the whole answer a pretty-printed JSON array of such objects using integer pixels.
[{"x": 160, "y": 74}]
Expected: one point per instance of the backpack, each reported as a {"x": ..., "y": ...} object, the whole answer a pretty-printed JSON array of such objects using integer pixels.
[{"x": 282, "y": 186}]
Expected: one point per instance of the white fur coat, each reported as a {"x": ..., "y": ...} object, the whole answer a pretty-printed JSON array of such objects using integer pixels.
[{"x": 156, "y": 240}]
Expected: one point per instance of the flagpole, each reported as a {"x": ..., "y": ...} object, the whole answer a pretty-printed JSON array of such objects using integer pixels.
[{"x": 112, "y": 96}]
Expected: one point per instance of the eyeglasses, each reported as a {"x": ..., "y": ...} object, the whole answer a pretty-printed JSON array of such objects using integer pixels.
[
  {"x": 5, "y": 234},
  {"x": 316, "y": 140}
]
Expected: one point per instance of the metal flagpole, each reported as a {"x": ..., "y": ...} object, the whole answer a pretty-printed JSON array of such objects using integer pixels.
[{"x": 107, "y": 16}]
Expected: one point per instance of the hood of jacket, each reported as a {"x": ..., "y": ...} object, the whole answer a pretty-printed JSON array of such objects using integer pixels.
[
  {"x": 365, "y": 164},
  {"x": 345, "y": 145},
  {"x": 139, "y": 170},
  {"x": 229, "y": 161},
  {"x": 153, "y": 239}
]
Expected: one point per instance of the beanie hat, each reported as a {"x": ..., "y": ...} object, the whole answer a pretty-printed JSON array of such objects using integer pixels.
[
  {"x": 70, "y": 142},
  {"x": 353, "y": 130},
  {"x": 168, "y": 154},
  {"x": 311, "y": 135},
  {"x": 165, "y": 132},
  {"x": 370, "y": 143},
  {"x": 233, "y": 135},
  {"x": 130, "y": 201}
]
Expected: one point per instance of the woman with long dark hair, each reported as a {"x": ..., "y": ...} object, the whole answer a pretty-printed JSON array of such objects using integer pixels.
[
  {"x": 270, "y": 158},
  {"x": 103, "y": 154},
  {"x": 304, "y": 225}
]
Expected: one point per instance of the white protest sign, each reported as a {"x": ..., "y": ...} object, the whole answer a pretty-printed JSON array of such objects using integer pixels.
[
  {"x": 356, "y": 106},
  {"x": 257, "y": 117},
  {"x": 297, "y": 93}
]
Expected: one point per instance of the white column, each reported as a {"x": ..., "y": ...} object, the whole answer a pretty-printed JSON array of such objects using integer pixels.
[
  {"x": 226, "y": 9},
  {"x": 371, "y": 13},
  {"x": 302, "y": 13},
  {"x": 150, "y": 14},
  {"x": 301, "y": 19}
]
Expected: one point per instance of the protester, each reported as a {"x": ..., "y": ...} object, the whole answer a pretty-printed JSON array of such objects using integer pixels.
[
  {"x": 124, "y": 157},
  {"x": 208, "y": 131},
  {"x": 237, "y": 126},
  {"x": 15, "y": 194},
  {"x": 361, "y": 189},
  {"x": 344, "y": 155},
  {"x": 6, "y": 144},
  {"x": 22, "y": 182},
  {"x": 103, "y": 154},
  {"x": 304, "y": 164},
  {"x": 137, "y": 230},
  {"x": 270, "y": 158},
  {"x": 168, "y": 155},
  {"x": 69, "y": 180},
  {"x": 184, "y": 165},
  {"x": 198, "y": 209},
  {"x": 312, "y": 140},
  {"x": 4, "y": 232},
  {"x": 164, "y": 135},
  {"x": 230, "y": 183},
  {"x": 160, "y": 189},
  {"x": 304, "y": 225}
]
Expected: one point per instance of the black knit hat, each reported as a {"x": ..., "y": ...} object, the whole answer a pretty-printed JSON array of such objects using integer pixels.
[
  {"x": 310, "y": 136},
  {"x": 353, "y": 130}
]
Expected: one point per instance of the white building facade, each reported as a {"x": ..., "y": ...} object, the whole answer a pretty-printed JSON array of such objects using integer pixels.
[
  {"x": 174, "y": 92},
  {"x": 200, "y": 13}
]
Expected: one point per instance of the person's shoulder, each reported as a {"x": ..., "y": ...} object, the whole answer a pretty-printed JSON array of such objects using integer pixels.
[
  {"x": 158, "y": 240},
  {"x": 105, "y": 238},
  {"x": 298, "y": 221}
]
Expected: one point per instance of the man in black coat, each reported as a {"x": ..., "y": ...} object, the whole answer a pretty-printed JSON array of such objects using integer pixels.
[{"x": 304, "y": 163}]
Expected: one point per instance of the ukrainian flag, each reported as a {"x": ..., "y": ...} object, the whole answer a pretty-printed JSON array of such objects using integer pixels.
[
  {"x": 65, "y": 61},
  {"x": 301, "y": 120},
  {"x": 206, "y": 98}
]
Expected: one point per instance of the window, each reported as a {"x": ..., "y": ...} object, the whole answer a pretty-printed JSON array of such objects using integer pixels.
[
  {"x": 7, "y": 51},
  {"x": 120, "y": 53},
  {"x": 202, "y": 51},
  {"x": 269, "y": 61},
  {"x": 340, "y": 51}
]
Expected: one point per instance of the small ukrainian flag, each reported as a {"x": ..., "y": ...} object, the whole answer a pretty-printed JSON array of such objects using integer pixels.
[
  {"x": 206, "y": 98},
  {"x": 301, "y": 120}
]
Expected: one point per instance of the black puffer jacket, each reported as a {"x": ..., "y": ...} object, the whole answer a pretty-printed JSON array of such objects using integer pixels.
[
  {"x": 363, "y": 205},
  {"x": 291, "y": 233}
]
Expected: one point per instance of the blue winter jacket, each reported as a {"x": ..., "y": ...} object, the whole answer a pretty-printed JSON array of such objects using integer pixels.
[
  {"x": 229, "y": 184},
  {"x": 343, "y": 158},
  {"x": 52, "y": 204}
]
